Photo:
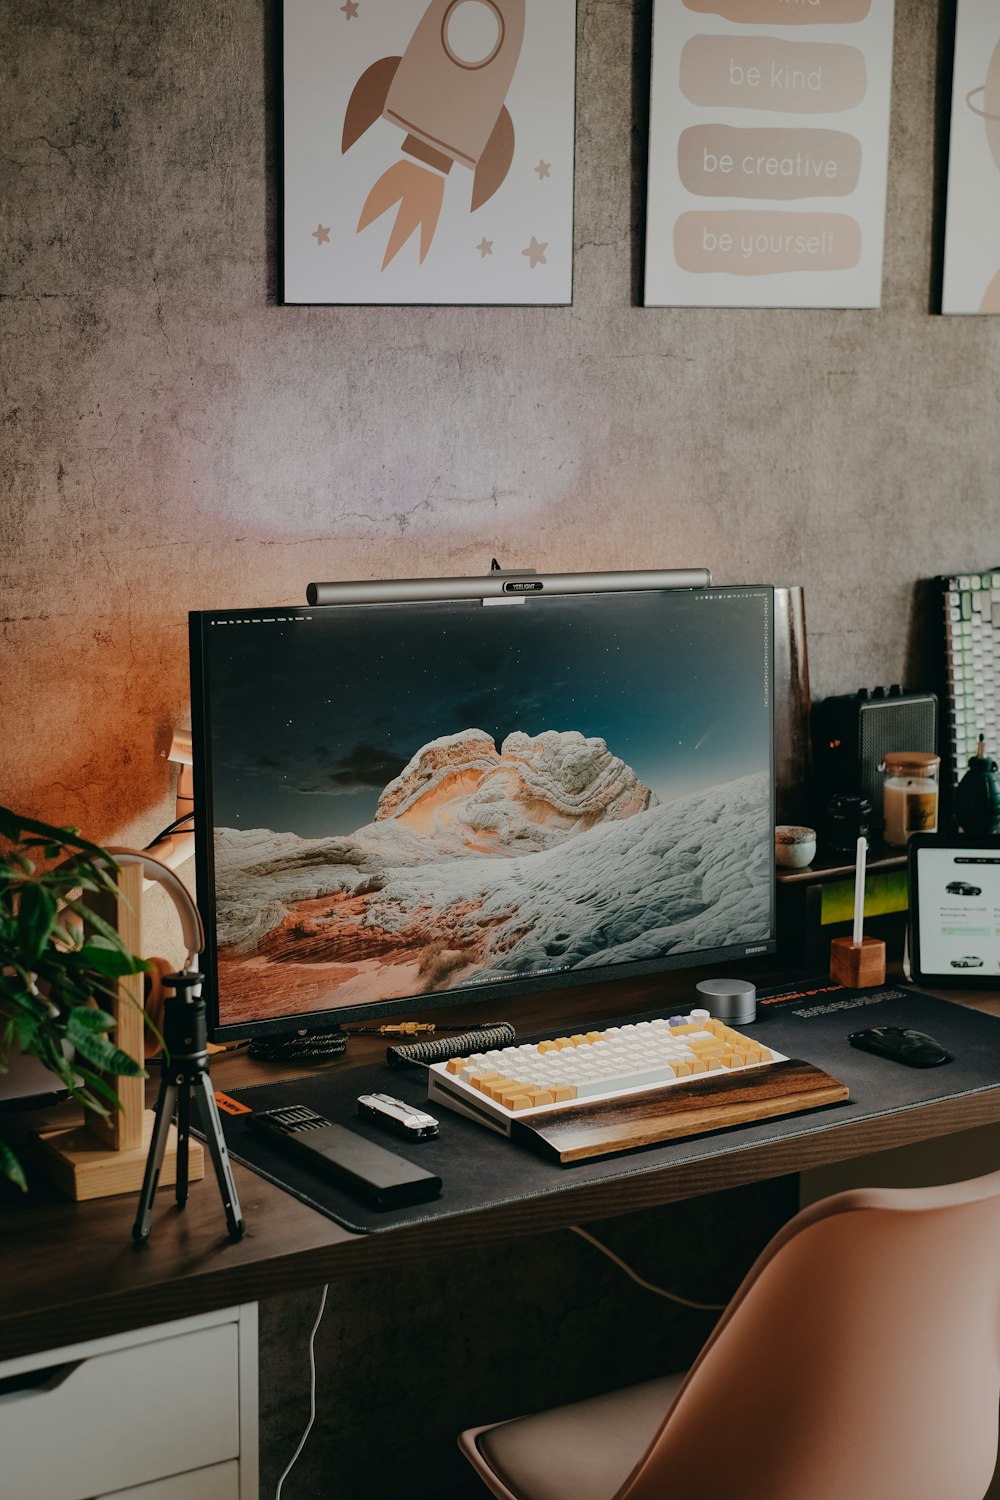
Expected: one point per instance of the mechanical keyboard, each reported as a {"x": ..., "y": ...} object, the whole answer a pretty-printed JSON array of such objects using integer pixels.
[
  {"x": 972, "y": 649},
  {"x": 497, "y": 1087}
]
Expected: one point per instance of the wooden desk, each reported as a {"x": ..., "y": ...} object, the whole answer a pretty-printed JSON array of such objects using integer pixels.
[{"x": 70, "y": 1271}]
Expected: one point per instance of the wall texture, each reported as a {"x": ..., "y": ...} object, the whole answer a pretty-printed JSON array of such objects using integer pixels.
[
  {"x": 171, "y": 438},
  {"x": 174, "y": 439}
]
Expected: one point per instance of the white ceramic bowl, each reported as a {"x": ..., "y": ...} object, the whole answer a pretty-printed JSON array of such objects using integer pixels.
[{"x": 794, "y": 846}]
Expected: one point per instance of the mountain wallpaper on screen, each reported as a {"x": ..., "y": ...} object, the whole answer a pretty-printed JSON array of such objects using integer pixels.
[{"x": 545, "y": 852}]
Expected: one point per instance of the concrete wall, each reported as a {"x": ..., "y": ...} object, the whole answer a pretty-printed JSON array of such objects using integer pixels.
[
  {"x": 171, "y": 438},
  {"x": 174, "y": 439}
]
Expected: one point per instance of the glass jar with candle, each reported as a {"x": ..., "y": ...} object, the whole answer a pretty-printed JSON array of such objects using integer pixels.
[{"x": 910, "y": 783}]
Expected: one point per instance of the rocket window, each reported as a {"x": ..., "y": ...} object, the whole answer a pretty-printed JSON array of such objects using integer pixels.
[{"x": 472, "y": 32}]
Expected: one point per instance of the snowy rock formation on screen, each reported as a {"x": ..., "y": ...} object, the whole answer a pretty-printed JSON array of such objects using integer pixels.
[{"x": 546, "y": 854}]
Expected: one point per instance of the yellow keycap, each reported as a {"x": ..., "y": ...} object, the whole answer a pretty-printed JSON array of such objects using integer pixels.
[
  {"x": 593, "y": 1036},
  {"x": 543, "y": 1096},
  {"x": 562, "y": 1092},
  {"x": 579, "y": 1040},
  {"x": 562, "y": 1042},
  {"x": 515, "y": 1102},
  {"x": 547, "y": 1047},
  {"x": 483, "y": 1080},
  {"x": 456, "y": 1064}
]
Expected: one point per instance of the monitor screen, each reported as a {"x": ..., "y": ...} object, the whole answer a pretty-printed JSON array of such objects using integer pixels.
[{"x": 431, "y": 800}]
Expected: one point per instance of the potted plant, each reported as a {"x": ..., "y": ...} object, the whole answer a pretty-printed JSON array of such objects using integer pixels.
[{"x": 58, "y": 959}]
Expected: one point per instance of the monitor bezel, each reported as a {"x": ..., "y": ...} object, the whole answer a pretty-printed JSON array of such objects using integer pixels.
[{"x": 490, "y": 994}]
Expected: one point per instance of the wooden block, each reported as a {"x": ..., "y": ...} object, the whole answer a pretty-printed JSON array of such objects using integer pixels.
[
  {"x": 83, "y": 1169},
  {"x": 689, "y": 1108},
  {"x": 858, "y": 967},
  {"x": 121, "y": 1130}
]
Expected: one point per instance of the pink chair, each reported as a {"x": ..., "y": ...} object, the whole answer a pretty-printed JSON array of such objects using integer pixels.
[{"x": 859, "y": 1360}]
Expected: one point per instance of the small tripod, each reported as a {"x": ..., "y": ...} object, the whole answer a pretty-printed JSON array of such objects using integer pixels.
[{"x": 184, "y": 1067}]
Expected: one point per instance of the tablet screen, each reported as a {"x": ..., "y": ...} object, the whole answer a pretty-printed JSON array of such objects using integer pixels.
[{"x": 957, "y": 911}]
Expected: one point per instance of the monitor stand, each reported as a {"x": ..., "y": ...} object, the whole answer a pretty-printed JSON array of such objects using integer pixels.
[{"x": 299, "y": 1046}]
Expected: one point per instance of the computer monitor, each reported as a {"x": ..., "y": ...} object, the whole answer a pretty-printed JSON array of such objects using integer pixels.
[{"x": 409, "y": 805}]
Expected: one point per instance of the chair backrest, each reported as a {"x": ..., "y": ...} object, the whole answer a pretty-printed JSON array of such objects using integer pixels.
[{"x": 859, "y": 1360}]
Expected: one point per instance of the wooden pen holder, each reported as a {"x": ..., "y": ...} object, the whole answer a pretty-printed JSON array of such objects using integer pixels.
[{"x": 857, "y": 966}]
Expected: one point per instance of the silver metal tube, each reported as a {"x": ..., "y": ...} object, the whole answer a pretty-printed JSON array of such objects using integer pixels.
[{"x": 497, "y": 585}]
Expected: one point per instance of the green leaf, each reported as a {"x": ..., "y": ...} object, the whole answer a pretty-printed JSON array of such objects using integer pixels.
[
  {"x": 68, "y": 937},
  {"x": 50, "y": 1054},
  {"x": 10, "y": 1167},
  {"x": 102, "y": 1053},
  {"x": 91, "y": 1019},
  {"x": 36, "y": 917},
  {"x": 101, "y": 1084},
  {"x": 12, "y": 825},
  {"x": 95, "y": 921},
  {"x": 24, "y": 1030},
  {"x": 16, "y": 987},
  {"x": 109, "y": 958}
]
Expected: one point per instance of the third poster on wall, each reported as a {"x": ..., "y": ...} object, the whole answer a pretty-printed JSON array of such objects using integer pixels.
[
  {"x": 972, "y": 238},
  {"x": 768, "y": 153}
]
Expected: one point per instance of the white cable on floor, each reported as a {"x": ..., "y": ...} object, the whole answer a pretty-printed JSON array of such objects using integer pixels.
[
  {"x": 312, "y": 1392},
  {"x": 647, "y": 1286}
]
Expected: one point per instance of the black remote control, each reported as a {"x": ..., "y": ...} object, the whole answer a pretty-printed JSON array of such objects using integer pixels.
[{"x": 360, "y": 1166}]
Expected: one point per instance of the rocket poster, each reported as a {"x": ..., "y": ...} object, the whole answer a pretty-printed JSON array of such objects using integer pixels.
[
  {"x": 972, "y": 234},
  {"x": 428, "y": 151},
  {"x": 768, "y": 153}
]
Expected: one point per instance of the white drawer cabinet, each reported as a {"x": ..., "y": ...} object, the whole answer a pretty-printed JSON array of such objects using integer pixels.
[
  {"x": 220, "y": 1482},
  {"x": 164, "y": 1413}
]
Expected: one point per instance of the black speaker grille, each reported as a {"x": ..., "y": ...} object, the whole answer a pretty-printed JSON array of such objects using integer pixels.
[{"x": 905, "y": 724}]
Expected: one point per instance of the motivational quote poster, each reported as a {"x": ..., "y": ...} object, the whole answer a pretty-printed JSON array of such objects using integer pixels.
[
  {"x": 428, "y": 151},
  {"x": 768, "y": 153},
  {"x": 972, "y": 235}
]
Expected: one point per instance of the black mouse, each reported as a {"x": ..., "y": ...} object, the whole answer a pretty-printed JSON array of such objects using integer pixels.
[{"x": 901, "y": 1044}]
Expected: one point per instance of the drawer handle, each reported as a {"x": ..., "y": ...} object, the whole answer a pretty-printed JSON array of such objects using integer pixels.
[{"x": 37, "y": 1382}]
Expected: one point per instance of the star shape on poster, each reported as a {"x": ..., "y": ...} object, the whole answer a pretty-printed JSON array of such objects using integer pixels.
[
  {"x": 536, "y": 253},
  {"x": 321, "y": 234},
  {"x": 350, "y": 9},
  {"x": 544, "y": 169},
  {"x": 485, "y": 247}
]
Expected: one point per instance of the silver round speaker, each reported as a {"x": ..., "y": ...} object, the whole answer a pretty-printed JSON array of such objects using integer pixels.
[{"x": 731, "y": 1000}]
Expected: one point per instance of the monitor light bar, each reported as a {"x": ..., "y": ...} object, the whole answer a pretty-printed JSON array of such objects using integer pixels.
[{"x": 518, "y": 585}]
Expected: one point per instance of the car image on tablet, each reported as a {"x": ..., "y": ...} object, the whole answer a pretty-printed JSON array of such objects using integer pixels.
[
  {"x": 962, "y": 888},
  {"x": 970, "y": 961}
]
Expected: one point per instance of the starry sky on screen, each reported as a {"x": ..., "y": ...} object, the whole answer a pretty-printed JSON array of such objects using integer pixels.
[{"x": 313, "y": 711}]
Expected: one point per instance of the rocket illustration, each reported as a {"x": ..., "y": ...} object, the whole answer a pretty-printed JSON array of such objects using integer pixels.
[{"x": 447, "y": 93}]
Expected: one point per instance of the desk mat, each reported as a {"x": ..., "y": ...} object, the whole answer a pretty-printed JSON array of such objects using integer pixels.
[{"x": 480, "y": 1169}]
